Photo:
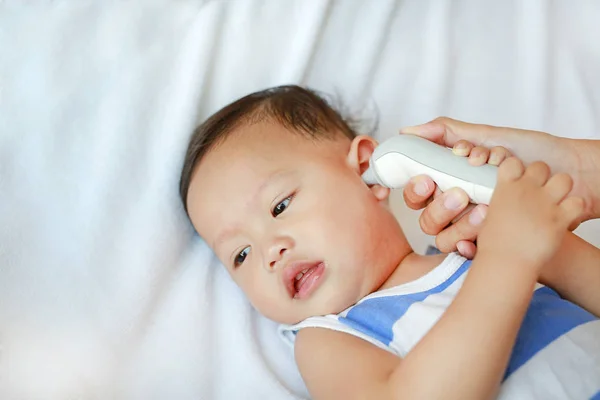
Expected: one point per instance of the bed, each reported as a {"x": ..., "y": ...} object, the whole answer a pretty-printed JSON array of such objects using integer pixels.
[{"x": 105, "y": 290}]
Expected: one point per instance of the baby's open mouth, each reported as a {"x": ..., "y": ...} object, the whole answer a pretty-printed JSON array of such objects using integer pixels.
[{"x": 302, "y": 278}]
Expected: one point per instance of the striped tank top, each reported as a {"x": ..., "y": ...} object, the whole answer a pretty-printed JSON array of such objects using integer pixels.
[{"x": 556, "y": 354}]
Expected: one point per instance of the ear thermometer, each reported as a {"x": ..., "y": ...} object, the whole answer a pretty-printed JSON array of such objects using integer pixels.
[{"x": 396, "y": 160}]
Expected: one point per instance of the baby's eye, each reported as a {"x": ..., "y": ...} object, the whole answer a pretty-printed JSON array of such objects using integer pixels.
[
  {"x": 239, "y": 259},
  {"x": 279, "y": 208}
]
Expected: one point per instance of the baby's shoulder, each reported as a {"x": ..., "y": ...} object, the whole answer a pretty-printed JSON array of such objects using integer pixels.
[
  {"x": 423, "y": 273},
  {"x": 376, "y": 317}
]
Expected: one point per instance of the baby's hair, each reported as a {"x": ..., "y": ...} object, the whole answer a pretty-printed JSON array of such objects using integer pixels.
[{"x": 298, "y": 109}]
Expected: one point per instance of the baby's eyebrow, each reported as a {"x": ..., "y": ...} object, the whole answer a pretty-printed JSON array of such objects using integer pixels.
[
  {"x": 225, "y": 235},
  {"x": 273, "y": 178}
]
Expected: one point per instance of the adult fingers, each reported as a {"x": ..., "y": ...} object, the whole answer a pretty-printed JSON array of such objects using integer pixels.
[
  {"x": 466, "y": 229},
  {"x": 447, "y": 131},
  {"x": 479, "y": 156},
  {"x": 462, "y": 148},
  {"x": 498, "y": 154},
  {"x": 443, "y": 210},
  {"x": 418, "y": 192},
  {"x": 466, "y": 249}
]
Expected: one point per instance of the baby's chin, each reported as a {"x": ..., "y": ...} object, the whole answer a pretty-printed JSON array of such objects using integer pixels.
[
  {"x": 286, "y": 316},
  {"x": 281, "y": 318},
  {"x": 292, "y": 317}
]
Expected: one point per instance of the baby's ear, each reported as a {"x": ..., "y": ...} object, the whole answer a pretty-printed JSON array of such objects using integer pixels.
[{"x": 359, "y": 155}]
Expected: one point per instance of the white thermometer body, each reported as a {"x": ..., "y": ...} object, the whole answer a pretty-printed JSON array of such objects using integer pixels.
[{"x": 402, "y": 157}]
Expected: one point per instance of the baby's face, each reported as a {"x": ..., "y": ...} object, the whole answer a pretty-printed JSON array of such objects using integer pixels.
[{"x": 292, "y": 221}]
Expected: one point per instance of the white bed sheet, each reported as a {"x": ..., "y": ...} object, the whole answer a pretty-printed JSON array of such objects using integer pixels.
[{"x": 105, "y": 292}]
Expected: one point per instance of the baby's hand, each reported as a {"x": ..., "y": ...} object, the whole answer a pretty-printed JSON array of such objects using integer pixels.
[{"x": 528, "y": 215}]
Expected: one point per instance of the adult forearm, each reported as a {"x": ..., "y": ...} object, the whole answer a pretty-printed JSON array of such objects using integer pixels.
[
  {"x": 466, "y": 353},
  {"x": 588, "y": 156},
  {"x": 574, "y": 273},
  {"x": 580, "y": 158}
]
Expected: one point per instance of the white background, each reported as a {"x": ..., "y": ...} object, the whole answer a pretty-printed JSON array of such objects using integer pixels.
[{"x": 105, "y": 292}]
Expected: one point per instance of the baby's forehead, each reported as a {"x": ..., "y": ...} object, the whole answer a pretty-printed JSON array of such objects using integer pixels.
[
  {"x": 252, "y": 150},
  {"x": 265, "y": 141}
]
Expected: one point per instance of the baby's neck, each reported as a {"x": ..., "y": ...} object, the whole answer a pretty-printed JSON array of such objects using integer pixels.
[{"x": 412, "y": 267}]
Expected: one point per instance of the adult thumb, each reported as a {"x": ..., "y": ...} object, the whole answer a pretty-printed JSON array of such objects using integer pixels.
[{"x": 447, "y": 131}]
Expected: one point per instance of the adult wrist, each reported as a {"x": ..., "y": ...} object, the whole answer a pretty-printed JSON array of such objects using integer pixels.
[{"x": 587, "y": 158}]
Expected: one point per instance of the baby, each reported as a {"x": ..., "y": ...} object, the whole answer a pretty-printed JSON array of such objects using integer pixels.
[{"x": 272, "y": 183}]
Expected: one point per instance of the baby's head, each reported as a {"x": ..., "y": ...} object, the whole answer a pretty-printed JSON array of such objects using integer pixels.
[{"x": 272, "y": 182}]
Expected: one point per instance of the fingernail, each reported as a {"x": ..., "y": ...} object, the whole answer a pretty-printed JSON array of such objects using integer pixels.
[
  {"x": 461, "y": 247},
  {"x": 477, "y": 216},
  {"x": 460, "y": 149},
  {"x": 494, "y": 159},
  {"x": 421, "y": 187},
  {"x": 453, "y": 200}
]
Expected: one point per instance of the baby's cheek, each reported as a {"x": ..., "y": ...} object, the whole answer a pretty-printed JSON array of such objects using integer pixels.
[{"x": 267, "y": 301}]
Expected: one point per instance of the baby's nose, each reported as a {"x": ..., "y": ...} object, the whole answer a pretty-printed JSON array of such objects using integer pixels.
[{"x": 279, "y": 247}]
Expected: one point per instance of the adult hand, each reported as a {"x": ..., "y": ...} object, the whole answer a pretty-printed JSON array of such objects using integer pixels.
[{"x": 449, "y": 216}]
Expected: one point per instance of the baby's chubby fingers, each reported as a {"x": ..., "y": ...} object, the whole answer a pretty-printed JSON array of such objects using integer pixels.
[
  {"x": 511, "y": 169},
  {"x": 443, "y": 210},
  {"x": 558, "y": 186},
  {"x": 537, "y": 172},
  {"x": 572, "y": 208}
]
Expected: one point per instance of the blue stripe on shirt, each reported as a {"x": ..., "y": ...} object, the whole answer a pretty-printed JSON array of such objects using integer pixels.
[
  {"x": 376, "y": 317},
  {"x": 548, "y": 317},
  {"x": 596, "y": 396}
]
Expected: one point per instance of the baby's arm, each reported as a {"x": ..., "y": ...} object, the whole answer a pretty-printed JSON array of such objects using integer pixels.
[
  {"x": 574, "y": 273},
  {"x": 463, "y": 356},
  {"x": 466, "y": 352}
]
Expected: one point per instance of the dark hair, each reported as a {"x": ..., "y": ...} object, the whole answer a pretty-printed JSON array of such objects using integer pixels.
[{"x": 299, "y": 109}]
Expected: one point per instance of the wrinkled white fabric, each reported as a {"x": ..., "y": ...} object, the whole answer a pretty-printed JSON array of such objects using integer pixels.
[{"x": 105, "y": 291}]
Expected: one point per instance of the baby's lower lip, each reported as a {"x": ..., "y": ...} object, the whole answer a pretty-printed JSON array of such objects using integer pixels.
[{"x": 312, "y": 282}]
